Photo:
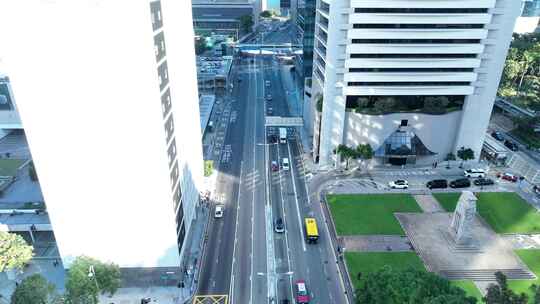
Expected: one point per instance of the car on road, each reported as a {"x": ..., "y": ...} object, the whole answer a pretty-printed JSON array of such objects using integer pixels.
[
  {"x": 509, "y": 177},
  {"x": 511, "y": 145},
  {"x": 268, "y": 97},
  {"x": 267, "y": 83},
  {"x": 483, "y": 182},
  {"x": 274, "y": 166},
  {"x": 475, "y": 173},
  {"x": 437, "y": 184},
  {"x": 279, "y": 226},
  {"x": 302, "y": 295},
  {"x": 460, "y": 183},
  {"x": 218, "y": 212},
  {"x": 497, "y": 135},
  {"x": 272, "y": 139},
  {"x": 285, "y": 164},
  {"x": 269, "y": 111},
  {"x": 399, "y": 184}
]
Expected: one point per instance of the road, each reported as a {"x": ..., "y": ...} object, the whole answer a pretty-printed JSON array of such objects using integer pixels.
[{"x": 244, "y": 257}]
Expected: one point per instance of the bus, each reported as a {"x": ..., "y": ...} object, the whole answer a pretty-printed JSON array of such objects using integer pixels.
[{"x": 312, "y": 233}]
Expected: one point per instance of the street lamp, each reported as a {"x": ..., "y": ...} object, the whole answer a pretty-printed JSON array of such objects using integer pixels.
[{"x": 92, "y": 274}]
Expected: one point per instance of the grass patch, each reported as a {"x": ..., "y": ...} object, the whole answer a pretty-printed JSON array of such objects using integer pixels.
[
  {"x": 531, "y": 139},
  {"x": 370, "y": 213},
  {"x": 8, "y": 167},
  {"x": 366, "y": 262},
  {"x": 208, "y": 167},
  {"x": 531, "y": 257},
  {"x": 506, "y": 212},
  {"x": 447, "y": 200},
  {"x": 470, "y": 289}
]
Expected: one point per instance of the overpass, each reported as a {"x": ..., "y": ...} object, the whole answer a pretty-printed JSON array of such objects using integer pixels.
[{"x": 279, "y": 121}]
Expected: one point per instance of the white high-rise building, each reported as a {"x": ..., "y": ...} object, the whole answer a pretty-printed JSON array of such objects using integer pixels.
[
  {"x": 416, "y": 79},
  {"x": 107, "y": 92}
]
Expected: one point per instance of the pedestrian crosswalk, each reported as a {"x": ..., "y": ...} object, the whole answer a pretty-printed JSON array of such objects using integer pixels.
[{"x": 406, "y": 173}]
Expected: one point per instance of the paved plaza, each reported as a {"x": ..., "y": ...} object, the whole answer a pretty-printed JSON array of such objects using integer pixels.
[{"x": 429, "y": 235}]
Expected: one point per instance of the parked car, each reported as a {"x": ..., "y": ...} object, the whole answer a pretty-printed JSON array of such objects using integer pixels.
[
  {"x": 302, "y": 295},
  {"x": 509, "y": 177},
  {"x": 497, "y": 135},
  {"x": 437, "y": 183},
  {"x": 218, "y": 212},
  {"x": 475, "y": 173},
  {"x": 275, "y": 166},
  {"x": 511, "y": 145},
  {"x": 460, "y": 183},
  {"x": 279, "y": 226},
  {"x": 483, "y": 182},
  {"x": 399, "y": 184}
]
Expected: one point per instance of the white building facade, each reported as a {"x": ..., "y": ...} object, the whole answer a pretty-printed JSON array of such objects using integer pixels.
[
  {"x": 107, "y": 92},
  {"x": 416, "y": 79}
]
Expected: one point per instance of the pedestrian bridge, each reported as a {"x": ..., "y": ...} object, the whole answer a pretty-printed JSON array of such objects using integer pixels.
[{"x": 278, "y": 121}]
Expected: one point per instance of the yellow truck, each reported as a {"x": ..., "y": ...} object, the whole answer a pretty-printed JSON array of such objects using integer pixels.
[{"x": 312, "y": 233}]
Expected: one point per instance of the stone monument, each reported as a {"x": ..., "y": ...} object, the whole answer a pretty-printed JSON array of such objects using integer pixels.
[{"x": 461, "y": 227}]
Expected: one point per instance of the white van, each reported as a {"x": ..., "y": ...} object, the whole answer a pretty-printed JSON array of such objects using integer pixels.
[
  {"x": 475, "y": 173},
  {"x": 218, "y": 212},
  {"x": 267, "y": 83},
  {"x": 285, "y": 164}
]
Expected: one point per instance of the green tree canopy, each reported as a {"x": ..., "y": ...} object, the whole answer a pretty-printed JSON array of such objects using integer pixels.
[
  {"x": 500, "y": 293},
  {"x": 88, "y": 277},
  {"x": 14, "y": 251},
  {"x": 465, "y": 154},
  {"x": 266, "y": 14},
  {"x": 33, "y": 290},
  {"x": 246, "y": 22},
  {"x": 436, "y": 104},
  {"x": 364, "y": 151},
  {"x": 347, "y": 153},
  {"x": 410, "y": 286}
]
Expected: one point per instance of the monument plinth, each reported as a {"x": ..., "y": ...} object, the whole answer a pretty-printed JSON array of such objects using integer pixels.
[{"x": 461, "y": 227}]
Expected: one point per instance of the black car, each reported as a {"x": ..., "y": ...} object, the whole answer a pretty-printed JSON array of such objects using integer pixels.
[
  {"x": 511, "y": 145},
  {"x": 279, "y": 226},
  {"x": 483, "y": 182},
  {"x": 437, "y": 183},
  {"x": 272, "y": 139},
  {"x": 497, "y": 135},
  {"x": 460, "y": 183}
]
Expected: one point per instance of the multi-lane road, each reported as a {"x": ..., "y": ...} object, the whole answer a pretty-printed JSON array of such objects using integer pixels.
[{"x": 244, "y": 258}]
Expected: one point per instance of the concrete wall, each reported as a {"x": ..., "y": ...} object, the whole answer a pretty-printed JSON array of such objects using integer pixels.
[{"x": 437, "y": 132}]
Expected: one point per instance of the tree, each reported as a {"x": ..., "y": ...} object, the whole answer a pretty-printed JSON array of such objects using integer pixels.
[
  {"x": 361, "y": 104},
  {"x": 266, "y": 14},
  {"x": 465, "y": 155},
  {"x": 450, "y": 156},
  {"x": 347, "y": 153},
  {"x": 385, "y": 104},
  {"x": 536, "y": 293},
  {"x": 246, "y": 22},
  {"x": 33, "y": 290},
  {"x": 408, "y": 286},
  {"x": 15, "y": 253},
  {"x": 200, "y": 45},
  {"x": 88, "y": 277},
  {"x": 364, "y": 151},
  {"x": 500, "y": 293},
  {"x": 319, "y": 102},
  {"x": 32, "y": 172},
  {"x": 436, "y": 104}
]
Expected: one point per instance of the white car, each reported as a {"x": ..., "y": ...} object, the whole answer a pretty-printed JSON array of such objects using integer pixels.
[
  {"x": 475, "y": 173},
  {"x": 218, "y": 213},
  {"x": 398, "y": 184}
]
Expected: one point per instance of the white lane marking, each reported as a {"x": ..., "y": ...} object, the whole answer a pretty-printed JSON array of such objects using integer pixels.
[
  {"x": 253, "y": 194},
  {"x": 296, "y": 201},
  {"x": 304, "y": 169},
  {"x": 231, "y": 286},
  {"x": 286, "y": 230}
]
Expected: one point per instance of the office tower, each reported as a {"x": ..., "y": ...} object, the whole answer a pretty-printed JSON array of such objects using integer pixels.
[
  {"x": 107, "y": 91},
  {"x": 221, "y": 16},
  {"x": 416, "y": 79}
]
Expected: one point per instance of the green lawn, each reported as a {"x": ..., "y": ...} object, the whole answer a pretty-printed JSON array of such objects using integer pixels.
[
  {"x": 447, "y": 200},
  {"x": 531, "y": 257},
  {"x": 8, "y": 167},
  {"x": 370, "y": 213},
  {"x": 505, "y": 212},
  {"x": 371, "y": 261},
  {"x": 469, "y": 287}
]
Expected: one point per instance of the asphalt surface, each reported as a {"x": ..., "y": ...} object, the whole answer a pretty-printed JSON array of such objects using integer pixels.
[{"x": 244, "y": 257}]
